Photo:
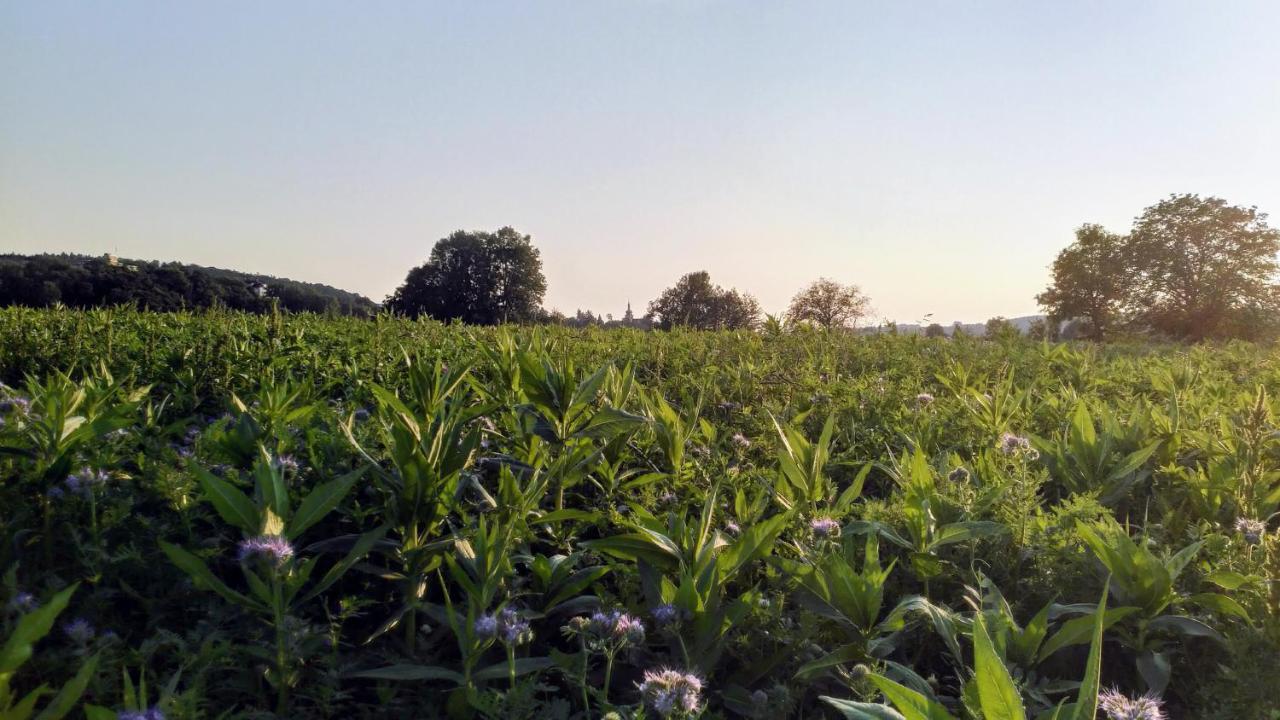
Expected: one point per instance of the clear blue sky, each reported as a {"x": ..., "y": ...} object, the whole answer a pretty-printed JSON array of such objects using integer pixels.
[{"x": 936, "y": 153}]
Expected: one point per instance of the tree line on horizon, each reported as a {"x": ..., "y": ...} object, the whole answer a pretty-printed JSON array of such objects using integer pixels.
[
  {"x": 1190, "y": 269},
  {"x": 489, "y": 278},
  {"x": 79, "y": 281}
]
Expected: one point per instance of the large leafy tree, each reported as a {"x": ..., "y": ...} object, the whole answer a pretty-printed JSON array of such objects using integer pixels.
[
  {"x": 482, "y": 278},
  {"x": 1092, "y": 280},
  {"x": 1206, "y": 269},
  {"x": 694, "y": 301},
  {"x": 827, "y": 303}
]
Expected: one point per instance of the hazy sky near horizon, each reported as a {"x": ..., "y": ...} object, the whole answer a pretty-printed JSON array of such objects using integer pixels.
[{"x": 938, "y": 154}]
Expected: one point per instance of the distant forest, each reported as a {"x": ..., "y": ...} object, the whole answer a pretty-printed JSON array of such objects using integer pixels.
[{"x": 80, "y": 281}]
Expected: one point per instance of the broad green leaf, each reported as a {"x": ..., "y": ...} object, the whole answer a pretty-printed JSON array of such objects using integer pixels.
[
  {"x": 96, "y": 712},
  {"x": 852, "y": 652},
  {"x": 564, "y": 515},
  {"x": 1228, "y": 580},
  {"x": 1155, "y": 670},
  {"x": 361, "y": 548},
  {"x": 1079, "y": 631},
  {"x": 232, "y": 505},
  {"x": 1086, "y": 705},
  {"x": 523, "y": 666},
  {"x": 320, "y": 502},
  {"x": 610, "y": 423},
  {"x": 66, "y": 699},
  {"x": 204, "y": 577},
  {"x": 25, "y": 707},
  {"x": 1220, "y": 604},
  {"x": 910, "y": 703},
  {"x": 997, "y": 692},
  {"x": 30, "y": 629},
  {"x": 853, "y": 710},
  {"x": 411, "y": 672},
  {"x": 1184, "y": 625}
]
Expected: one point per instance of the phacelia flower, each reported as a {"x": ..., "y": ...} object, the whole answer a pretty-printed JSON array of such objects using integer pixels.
[
  {"x": 273, "y": 548},
  {"x": 361, "y": 414},
  {"x": 79, "y": 631},
  {"x": 666, "y": 614},
  {"x": 667, "y": 498},
  {"x": 671, "y": 693},
  {"x": 1010, "y": 443},
  {"x": 1118, "y": 706},
  {"x": 512, "y": 629},
  {"x": 285, "y": 462},
  {"x": 1252, "y": 530},
  {"x": 824, "y": 527},
  {"x": 959, "y": 475},
  {"x": 486, "y": 627},
  {"x": 614, "y": 628},
  {"x": 85, "y": 481},
  {"x": 741, "y": 441},
  {"x": 24, "y": 602},
  {"x": 13, "y": 404},
  {"x": 732, "y": 528},
  {"x": 924, "y": 399}
]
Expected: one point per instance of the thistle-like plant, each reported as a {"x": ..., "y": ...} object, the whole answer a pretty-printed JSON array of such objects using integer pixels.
[{"x": 276, "y": 575}]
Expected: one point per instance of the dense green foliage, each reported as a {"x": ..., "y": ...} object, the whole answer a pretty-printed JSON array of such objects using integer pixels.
[
  {"x": 695, "y": 302},
  {"x": 480, "y": 278},
  {"x": 83, "y": 282},
  {"x": 302, "y": 517},
  {"x": 1192, "y": 268}
]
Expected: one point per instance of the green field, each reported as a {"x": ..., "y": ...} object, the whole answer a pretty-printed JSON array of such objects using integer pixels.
[{"x": 309, "y": 517}]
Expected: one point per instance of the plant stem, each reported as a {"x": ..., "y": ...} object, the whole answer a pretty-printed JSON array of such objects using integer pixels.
[
  {"x": 511, "y": 665},
  {"x": 586, "y": 657},
  {"x": 282, "y": 687},
  {"x": 608, "y": 676}
]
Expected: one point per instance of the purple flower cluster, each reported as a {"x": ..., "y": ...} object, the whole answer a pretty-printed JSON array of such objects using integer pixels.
[
  {"x": 1118, "y": 706},
  {"x": 924, "y": 399},
  {"x": 148, "y": 714},
  {"x": 614, "y": 627},
  {"x": 741, "y": 441},
  {"x": 666, "y": 614},
  {"x": 285, "y": 463},
  {"x": 24, "y": 602},
  {"x": 79, "y": 631},
  {"x": 1252, "y": 530},
  {"x": 15, "y": 404},
  {"x": 824, "y": 527},
  {"x": 506, "y": 626},
  {"x": 274, "y": 548},
  {"x": 959, "y": 475},
  {"x": 671, "y": 693},
  {"x": 85, "y": 482},
  {"x": 1011, "y": 444}
]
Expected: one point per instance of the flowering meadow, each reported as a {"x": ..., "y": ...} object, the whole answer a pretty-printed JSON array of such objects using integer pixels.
[{"x": 224, "y": 515}]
